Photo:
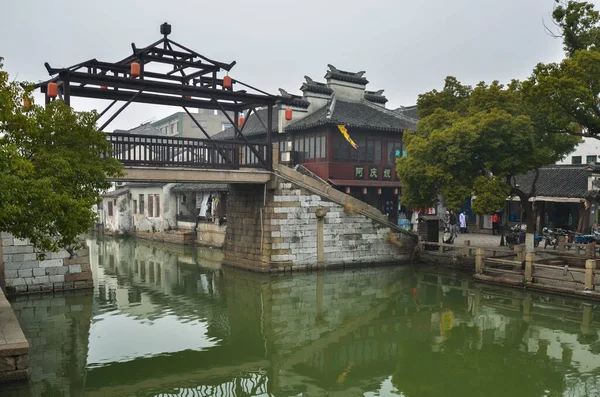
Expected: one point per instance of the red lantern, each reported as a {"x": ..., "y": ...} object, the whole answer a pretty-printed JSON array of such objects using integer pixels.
[
  {"x": 396, "y": 191},
  {"x": 348, "y": 190},
  {"x": 52, "y": 90},
  {"x": 364, "y": 191},
  {"x": 135, "y": 69},
  {"x": 104, "y": 87},
  {"x": 241, "y": 121},
  {"x": 288, "y": 114},
  {"x": 188, "y": 97},
  {"x": 26, "y": 103},
  {"x": 379, "y": 191},
  {"x": 226, "y": 82}
]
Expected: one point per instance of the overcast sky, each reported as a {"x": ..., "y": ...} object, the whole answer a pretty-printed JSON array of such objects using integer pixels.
[{"x": 405, "y": 47}]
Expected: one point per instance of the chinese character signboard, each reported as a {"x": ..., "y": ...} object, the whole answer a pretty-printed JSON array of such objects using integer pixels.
[
  {"x": 359, "y": 172},
  {"x": 373, "y": 172},
  {"x": 387, "y": 174}
]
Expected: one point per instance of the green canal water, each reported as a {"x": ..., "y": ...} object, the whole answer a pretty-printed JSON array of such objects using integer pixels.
[{"x": 164, "y": 321}]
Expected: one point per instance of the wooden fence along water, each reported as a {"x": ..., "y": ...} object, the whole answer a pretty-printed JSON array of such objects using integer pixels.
[{"x": 570, "y": 269}]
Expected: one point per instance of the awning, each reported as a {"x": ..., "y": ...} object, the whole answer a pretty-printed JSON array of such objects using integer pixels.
[
  {"x": 551, "y": 199},
  {"x": 364, "y": 183}
]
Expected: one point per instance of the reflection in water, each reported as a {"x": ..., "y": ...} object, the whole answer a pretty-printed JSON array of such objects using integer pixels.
[{"x": 171, "y": 322}]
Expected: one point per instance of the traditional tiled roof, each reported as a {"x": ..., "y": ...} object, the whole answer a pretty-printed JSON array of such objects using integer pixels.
[
  {"x": 375, "y": 96},
  {"x": 117, "y": 192},
  {"x": 297, "y": 100},
  {"x": 410, "y": 111},
  {"x": 557, "y": 181},
  {"x": 200, "y": 187},
  {"x": 142, "y": 129},
  {"x": 253, "y": 126},
  {"x": 342, "y": 75},
  {"x": 355, "y": 114},
  {"x": 316, "y": 87}
]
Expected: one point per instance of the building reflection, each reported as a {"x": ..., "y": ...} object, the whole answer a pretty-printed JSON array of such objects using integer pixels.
[{"x": 385, "y": 330}]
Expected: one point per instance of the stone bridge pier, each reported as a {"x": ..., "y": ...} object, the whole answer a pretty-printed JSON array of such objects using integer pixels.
[{"x": 295, "y": 222}]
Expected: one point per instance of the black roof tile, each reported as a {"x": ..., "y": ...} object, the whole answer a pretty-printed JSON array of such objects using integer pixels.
[
  {"x": 557, "y": 181},
  {"x": 342, "y": 75},
  {"x": 316, "y": 87},
  {"x": 410, "y": 111},
  {"x": 357, "y": 115},
  {"x": 253, "y": 126}
]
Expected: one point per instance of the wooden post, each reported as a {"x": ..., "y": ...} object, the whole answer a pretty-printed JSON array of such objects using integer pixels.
[
  {"x": 590, "y": 250},
  {"x": 586, "y": 321},
  {"x": 519, "y": 252},
  {"x": 529, "y": 261},
  {"x": 590, "y": 268},
  {"x": 479, "y": 260},
  {"x": 527, "y": 308},
  {"x": 320, "y": 213},
  {"x": 466, "y": 249},
  {"x": 561, "y": 244}
]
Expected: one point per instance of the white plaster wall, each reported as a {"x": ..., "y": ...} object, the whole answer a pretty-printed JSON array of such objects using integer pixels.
[
  {"x": 347, "y": 91},
  {"x": 588, "y": 147}
]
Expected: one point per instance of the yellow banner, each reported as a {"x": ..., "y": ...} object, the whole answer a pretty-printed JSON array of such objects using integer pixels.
[{"x": 344, "y": 132}]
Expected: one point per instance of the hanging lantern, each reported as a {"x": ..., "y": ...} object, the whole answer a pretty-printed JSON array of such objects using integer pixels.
[
  {"x": 364, "y": 191},
  {"x": 104, "y": 87},
  {"x": 396, "y": 191},
  {"x": 348, "y": 190},
  {"x": 241, "y": 121},
  {"x": 188, "y": 97},
  {"x": 226, "y": 82},
  {"x": 379, "y": 191},
  {"x": 52, "y": 90},
  {"x": 135, "y": 69},
  {"x": 288, "y": 114},
  {"x": 26, "y": 103}
]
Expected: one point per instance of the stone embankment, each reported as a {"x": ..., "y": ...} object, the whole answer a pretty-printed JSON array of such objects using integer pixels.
[
  {"x": 299, "y": 223},
  {"x": 25, "y": 273},
  {"x": 14, "y": 348}
]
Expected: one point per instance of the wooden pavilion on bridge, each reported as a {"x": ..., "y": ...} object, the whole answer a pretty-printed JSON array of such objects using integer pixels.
[{"x": 193, "y": 81}]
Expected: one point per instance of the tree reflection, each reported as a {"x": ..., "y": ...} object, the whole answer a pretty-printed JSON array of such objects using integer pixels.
[{"x": 466, "y": 367}]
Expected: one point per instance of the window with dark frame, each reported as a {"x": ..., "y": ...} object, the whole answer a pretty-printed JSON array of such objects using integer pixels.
[
  {"x": 141, "y": 197},
  {"x": 135, "y": 207},
  {"x": 590, "y": 159},
  {"x": 576, "y": 160},
  {"x": 150, "y": 206},
  {"x": 157, "y": 199},
  {"x": 110, "y": 208}
]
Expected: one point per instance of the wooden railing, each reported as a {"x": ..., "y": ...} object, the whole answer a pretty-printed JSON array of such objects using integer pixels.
[
  {"x": 149, "y": 150},
  {"x": 515, "y": 267}
]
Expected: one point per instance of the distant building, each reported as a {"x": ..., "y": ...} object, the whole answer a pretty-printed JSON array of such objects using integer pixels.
[
  {"x": 181, "y": 124},
  {"x": 586, "y": 152},
  {"x": 314, "y": 139}
]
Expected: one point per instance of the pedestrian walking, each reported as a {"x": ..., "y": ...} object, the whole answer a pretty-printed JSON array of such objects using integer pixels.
[
  {"x": 452, "y": 221},
  {"x": 495, "y": 224},
  {"x": 463, "y": 221}
]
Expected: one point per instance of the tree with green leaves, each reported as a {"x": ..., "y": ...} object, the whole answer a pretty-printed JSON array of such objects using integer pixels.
[
  {"x": 473, "y": 142},
  {"x": 54, "y": 165},
  {"x": 568, "y": 91}
]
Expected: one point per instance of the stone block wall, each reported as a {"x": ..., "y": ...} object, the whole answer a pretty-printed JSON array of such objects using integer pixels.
[
  {"x": 348, "y": 238},
  {"x": 243, "y": 236},
  {"x": 57, "y": 328},
  {"x": 280, "y": 232},
  {"x": 14, "y": 348},
  {"x": 24, "y": 273}
]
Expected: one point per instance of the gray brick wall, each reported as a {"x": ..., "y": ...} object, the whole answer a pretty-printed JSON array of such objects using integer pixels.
[
  {"x": 279, "y": 232},
  {"x": 24, "y": 273},
  {"x": 348, "y": 239}
]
